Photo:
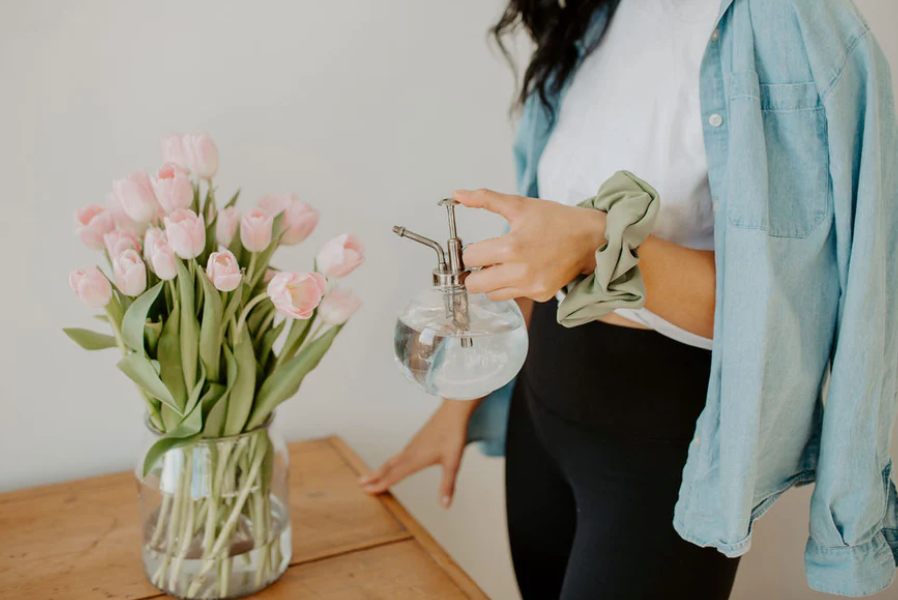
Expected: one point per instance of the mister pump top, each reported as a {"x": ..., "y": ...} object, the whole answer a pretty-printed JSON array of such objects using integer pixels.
[{"x": 435, "y": 335}]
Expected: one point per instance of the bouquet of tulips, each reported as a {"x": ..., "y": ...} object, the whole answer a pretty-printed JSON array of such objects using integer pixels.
[{"x": 214, "y": 336}]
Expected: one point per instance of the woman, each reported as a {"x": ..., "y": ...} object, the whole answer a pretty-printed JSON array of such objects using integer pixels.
[{"x": 638, "y": 453}]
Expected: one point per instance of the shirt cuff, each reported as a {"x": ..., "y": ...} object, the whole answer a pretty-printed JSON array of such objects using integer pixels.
[{"x": 851, "y": 570}]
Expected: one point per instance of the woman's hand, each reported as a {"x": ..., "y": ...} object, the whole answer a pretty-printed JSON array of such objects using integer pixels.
[
  {"x": 548, "y": 246},
  {"x": 440, "y": 442}
]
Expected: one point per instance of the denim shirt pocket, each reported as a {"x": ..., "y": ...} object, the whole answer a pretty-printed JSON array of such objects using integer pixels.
[{"x": 797, "y": 158}]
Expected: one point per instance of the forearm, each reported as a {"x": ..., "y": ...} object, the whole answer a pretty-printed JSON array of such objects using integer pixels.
[{"x": 679, "y": 284}]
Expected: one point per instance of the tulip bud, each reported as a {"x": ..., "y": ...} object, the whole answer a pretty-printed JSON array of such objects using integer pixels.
[
  {"x": 173, "y": 188},
  {"x": 338, "y": 306},
  {"x": 186, "y": 233},
  {"x": 202, "y": 155},
  {"x": 296, "y": 295},
  {"x": 119, "y": 240},
  {"x": 130, "y": 273},
  {"x": 93, "y": 222},
  {"x": 163, "y": 261},
  {"x": 255, "y": 230},
  {"x": 135, "y": 193},
  {"x": 340, "y": 256},
  {"x": 223, "y": 271},
  {"x": 226, "y": 225},
  {"x": 172, "y": 146},
  {"x": 91, "y": 286}
]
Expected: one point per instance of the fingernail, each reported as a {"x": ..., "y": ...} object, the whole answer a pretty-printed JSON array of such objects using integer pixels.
[
  {"x": 364, "y": 479},
  {"x": 457, "y": 193},
  {"x": 446, "y": 500}
]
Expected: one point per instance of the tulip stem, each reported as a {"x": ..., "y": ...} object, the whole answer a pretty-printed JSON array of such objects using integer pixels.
[
  {"x": 265, "y": 324},
  {"x": 252, "y": 266},
  {"x": 241, "y": 321}
]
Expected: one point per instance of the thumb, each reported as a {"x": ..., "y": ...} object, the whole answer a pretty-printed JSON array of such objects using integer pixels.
[
  {"x": 447, "y": 485},
  {"x": 502, "y": 204}
]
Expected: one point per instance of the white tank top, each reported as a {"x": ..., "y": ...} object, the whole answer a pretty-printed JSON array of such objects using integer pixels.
[{"x": 634, "y": 105}]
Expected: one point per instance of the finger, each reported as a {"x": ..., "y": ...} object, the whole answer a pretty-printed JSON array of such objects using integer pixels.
[
  {"x": 379, "y": 472},
  {"x": 447, "y": 485},
  {"x": 502, "y": 204},
  {"x": 396, "y": 473},
  {"x": 488, "y": 252},
  {"x": 493, "y": 278}
]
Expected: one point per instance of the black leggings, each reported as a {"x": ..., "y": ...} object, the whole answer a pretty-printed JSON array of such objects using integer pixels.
[{"x": 599, "y": 427}]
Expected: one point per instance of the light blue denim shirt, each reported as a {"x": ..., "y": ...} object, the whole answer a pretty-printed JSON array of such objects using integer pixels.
[{"x": 802, "y": 147}]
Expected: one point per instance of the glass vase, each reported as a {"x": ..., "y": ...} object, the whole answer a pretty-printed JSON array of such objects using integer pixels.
[{"x": 215, "y": 515}]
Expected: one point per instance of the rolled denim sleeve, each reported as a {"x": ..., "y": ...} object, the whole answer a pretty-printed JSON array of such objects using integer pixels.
[{"x": 853, "y": 545}]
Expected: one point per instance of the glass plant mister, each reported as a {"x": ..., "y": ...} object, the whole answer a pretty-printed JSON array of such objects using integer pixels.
[{"x": 454, "y": 344}]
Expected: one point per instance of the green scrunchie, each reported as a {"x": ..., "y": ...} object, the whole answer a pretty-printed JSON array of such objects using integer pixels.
[{"x": 632, "y": 206}]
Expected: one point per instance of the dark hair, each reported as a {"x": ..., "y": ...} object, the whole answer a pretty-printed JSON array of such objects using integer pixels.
[{"x": 554, "y": 27}]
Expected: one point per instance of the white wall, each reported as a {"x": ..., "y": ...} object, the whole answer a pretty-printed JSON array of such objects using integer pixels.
[{"x": 372, "y": 111}]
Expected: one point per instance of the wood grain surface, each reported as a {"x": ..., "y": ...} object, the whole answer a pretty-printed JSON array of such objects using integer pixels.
[{"x": 81, "y": 539}]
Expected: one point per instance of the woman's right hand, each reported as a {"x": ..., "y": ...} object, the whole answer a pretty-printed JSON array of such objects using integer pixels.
[{"x": 440, "y": 442}]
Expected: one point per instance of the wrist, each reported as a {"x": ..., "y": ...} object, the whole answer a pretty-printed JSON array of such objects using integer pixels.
[
  {"x": 462, "y": 407},
  {"x": 593, "y": 238}
]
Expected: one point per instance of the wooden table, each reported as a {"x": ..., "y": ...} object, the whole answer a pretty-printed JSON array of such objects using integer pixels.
[{"x": 81, "y": 539}]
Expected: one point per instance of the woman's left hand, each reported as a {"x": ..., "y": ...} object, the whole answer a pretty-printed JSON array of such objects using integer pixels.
[{"x": 547, "y": 246}]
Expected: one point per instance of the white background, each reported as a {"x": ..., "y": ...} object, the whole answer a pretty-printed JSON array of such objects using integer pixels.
[{"x": 371, "y": 111}]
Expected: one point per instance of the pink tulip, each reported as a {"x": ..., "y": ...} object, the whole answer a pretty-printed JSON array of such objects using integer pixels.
[
  {"x": 91, "y": 286},
  {"x": 163, "y": 261},
  {"x": 130, "y": 273},
  {"x": 299, "y": 221},
  {"x": 340, "y": 256},
  {"x": 93, "y": 222},
  {"x": 202, "y": 155},
  {"x": 274, "y": 204},
  {"x": 186, "y": 232},
  {"x": 255, "y": 230},
  {"x": 121, "y": 218},
  {"x": 296, "y": 295},
  {"x": 173, "y": 188},
  {"x": 223, "y": 271},
  {"x": 153, "y": 236},
  {"x": 338, "y": 306},
  {"x": 135, "y": 192},
  {"x": 172, "y": 146},
  {"x": 226, "y": 225},
  {"x": 119, "y": 240}
]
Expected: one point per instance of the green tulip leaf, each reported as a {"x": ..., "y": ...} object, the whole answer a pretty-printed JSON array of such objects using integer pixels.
[
  {"x": 236, "y": 247},
  {"x": 263, "y": 351},
  {"x": 197, "y": 390},
  {"x": 216, "y": 415},
  {"x": 168, "y": 353},
  {"x": 299, "y": 330},
  {"x": 135, "y": 319},
  {"x": 233, "y": 306},
  {"x": 210, "y": 330},
  {"x": 186, "y": 432},
  {"x": 233, "y": 199},
  {"x": 90, "y": 340},
  {"x": 240, "y": 399},
  {"x": 285, "y": 381},
  {"x": 189, "y": 325},
  {"x": 140, "y": 370},
  {"x": 152, "y": 333}
]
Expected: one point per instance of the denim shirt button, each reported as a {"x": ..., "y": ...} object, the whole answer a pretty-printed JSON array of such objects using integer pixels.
[
  {"x": 715, "y": 120},
  {"x": 695, "y": 440},
  {"x": 714, "y": 205},
  {"x": 715, "y": 35}
]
